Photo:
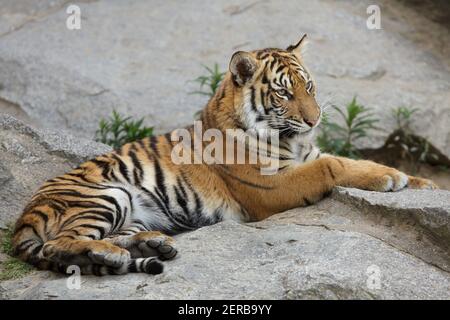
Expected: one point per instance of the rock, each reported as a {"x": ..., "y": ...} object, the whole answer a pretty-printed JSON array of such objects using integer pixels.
[
  {"x": 282, "y": 261},
  {"x": 429, "y": 209},
  {"x": 353, "y": 245},
  {"x": 28, "y": 157},
  {"x": 70, "y": 79},
  {"x": 15, "y": 14}
]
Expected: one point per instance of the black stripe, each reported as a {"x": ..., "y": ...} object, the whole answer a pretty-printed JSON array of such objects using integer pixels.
[
  {"x": 307, "y": 155},
  {"x": 100, "y": 229},
  {"x": 79, "y": 175},
  {"x": 38, "y": 213},
  {"x": 264, "y": 79},
  {"x": 159, "y": 177},
  {"x": 272, "y": 64},
  {"x": 330, "y": 172},
  {"x": 263, "y": 103},
  {"x": 74, "y": 193},
  {"x": 168, "y": 138},
  {"x": 153, "y": 145},
  {"x": 252, "y": 99},
  {"x": 138, "y": 173},
  {"x": 108, "y": 199},
  {"x": 104, "y": 165},
  {"x": 36, "y": 250},
  {"x": 182, "y": 189},
  {"x": 92, "y": 216},
  {"x": 122, "y": 168},
  {"x": 181, "y": 201},
  {"x": 65, "y": 236},
  {"x": 281, "y": 67},
  {"x": 178, "y": 225}
]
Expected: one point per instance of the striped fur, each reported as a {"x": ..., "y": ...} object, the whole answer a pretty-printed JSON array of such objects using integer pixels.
[{"x": 114, "y": 214}]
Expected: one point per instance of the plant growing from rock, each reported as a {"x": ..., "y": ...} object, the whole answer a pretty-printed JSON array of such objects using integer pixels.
[
  {"x": 414, "y": 149},
  {"x": 118, "y": 130},
  {"x": 211, "y": 80},
  {"x": 339, "y": 137}
]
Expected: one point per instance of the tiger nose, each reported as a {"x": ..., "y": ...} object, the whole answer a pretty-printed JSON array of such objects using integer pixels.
[{"x": 310, "y": 122}]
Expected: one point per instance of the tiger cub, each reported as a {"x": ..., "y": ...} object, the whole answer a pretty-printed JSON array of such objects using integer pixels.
[{"x": 115, "y": 214}]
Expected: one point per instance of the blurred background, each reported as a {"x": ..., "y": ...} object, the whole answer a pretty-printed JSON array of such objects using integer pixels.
[{"x": 386, "y": 90}]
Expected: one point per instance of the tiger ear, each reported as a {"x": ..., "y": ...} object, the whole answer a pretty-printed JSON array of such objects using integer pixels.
[
  {"x": 298, "y": 48},
  {"x": 242, "y": 66}
]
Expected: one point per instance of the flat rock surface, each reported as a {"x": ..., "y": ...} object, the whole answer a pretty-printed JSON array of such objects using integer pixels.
[
  {"x": 249, "y": 262},
  {"x": 431, "y": 209},
  {"x": 139, "y": 58},
  {"x": 353, "y": 245}
]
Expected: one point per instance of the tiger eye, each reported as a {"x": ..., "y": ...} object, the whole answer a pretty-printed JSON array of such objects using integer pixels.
[{"x": 282, "y": 92}]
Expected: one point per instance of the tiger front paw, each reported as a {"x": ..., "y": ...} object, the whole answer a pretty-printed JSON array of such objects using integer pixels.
[
  {"x": 421, "y": 183},
  {"x": 392, "y": 181},
  {"x": 374, "y": 177}
]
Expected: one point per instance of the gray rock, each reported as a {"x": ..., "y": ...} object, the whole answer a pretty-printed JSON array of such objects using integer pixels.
[
  {"x": 70, "y": 79},
  {"x": 250, "y": 262},
  {"x": 353, "y": 245},
  {"x": 28, "y": 157},
  {"x": 429, "y": 209},
  {"x": 15, "y": 14}
]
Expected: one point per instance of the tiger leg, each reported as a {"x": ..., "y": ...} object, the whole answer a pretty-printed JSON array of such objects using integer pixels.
[
  {"x": 144, "y": 243},
  {"x": 68, "y": 251},
  {"x": 368, "y": 175},
  {"x": 316, "y": 179},
  {"x": 99, "y": 257}
]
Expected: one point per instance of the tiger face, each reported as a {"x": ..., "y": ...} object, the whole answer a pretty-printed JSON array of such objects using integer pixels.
[{"x": 278, "y": 91}]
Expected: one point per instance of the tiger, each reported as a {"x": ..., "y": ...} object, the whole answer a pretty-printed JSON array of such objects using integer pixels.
[{"x": 118, "y": 212}]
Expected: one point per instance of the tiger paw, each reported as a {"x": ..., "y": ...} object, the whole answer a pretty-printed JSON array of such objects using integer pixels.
[
  {"x": 372, "y": 176},
  {"x": 421, "y": 183},
  {"x": 386, "y": 180},
  {"x": 112, "y": 256},
  {"x": 156, "y": 244}
]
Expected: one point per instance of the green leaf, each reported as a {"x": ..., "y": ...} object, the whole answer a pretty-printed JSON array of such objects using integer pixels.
[
  {"x": 338, "y": 139},
  {"x": 118, "y": 130}
]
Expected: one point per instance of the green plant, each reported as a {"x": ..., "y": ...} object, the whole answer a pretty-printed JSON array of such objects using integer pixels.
[
  {"x": 12, "y": 268},
  {"x": 402, "y": 116},
  {"x": 118, "y": 130},
  {"x": 212, "y": 80},
  {"x": 413, "y": 148},
  {"x": 339, "y": 139}
]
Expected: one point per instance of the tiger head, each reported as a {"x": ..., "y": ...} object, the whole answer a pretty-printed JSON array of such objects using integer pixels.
[{"x": 277, "y": 90}]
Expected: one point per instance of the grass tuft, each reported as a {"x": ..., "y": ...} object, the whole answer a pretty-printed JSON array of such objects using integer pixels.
[{"x": 12, "y": 268}]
